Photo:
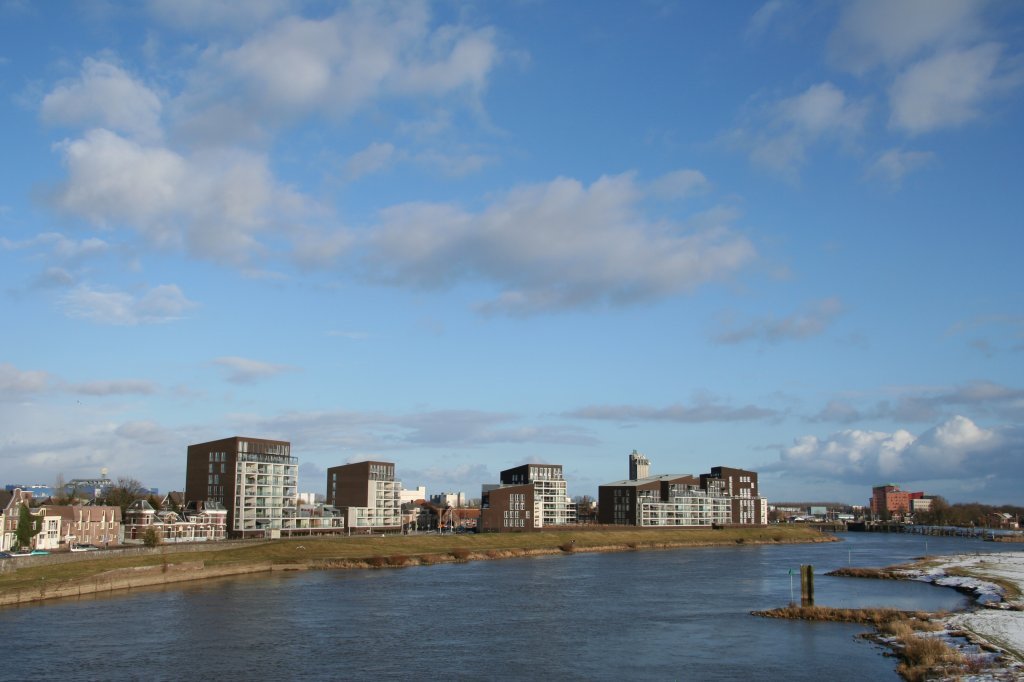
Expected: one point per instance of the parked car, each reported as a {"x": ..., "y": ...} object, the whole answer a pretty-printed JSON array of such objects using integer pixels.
[
  {"x": 34, "y": 552},
  {"x": 84, "y": 547},
  {"x": 5, "y": 555}
]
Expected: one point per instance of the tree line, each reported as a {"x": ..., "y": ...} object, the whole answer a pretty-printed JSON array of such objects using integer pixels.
[{"x": 967, "y": 514}]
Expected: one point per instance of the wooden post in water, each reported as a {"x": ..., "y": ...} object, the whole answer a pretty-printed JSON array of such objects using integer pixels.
[{"x": 806, "y": 585}]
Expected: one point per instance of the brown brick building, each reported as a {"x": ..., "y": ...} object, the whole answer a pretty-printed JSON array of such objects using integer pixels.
[
  {"x": 367, "y": 494},
  {"x": 725, "y": 496},
  {"x": 255, "y": 479},
  {"x": 529, "y": 497},
  {"x": 889, "y": 500}
]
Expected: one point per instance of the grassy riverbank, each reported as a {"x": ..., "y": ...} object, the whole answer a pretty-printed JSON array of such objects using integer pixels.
[{"x": 100, "y": 571}]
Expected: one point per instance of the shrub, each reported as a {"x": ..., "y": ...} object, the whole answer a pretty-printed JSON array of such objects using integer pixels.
[
  {"x": 150, "y": 537},
  {"x": 924, "y": 656},
  {"x": 460, "y": 554},
  {"x": 376, "y": 562}
]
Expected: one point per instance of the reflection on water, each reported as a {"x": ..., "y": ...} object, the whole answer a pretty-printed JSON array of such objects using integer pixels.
[{"x": 678, "y": 614}]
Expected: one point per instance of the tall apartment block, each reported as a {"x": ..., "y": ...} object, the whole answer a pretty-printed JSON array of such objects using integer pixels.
[
  {"x": 741, "y": 486},
  {"x": 256, "y": 480},
  {"x": 723, "y": 497},
  {"x": 367, "y": 494},
  {"x": 529, "y": 497}
]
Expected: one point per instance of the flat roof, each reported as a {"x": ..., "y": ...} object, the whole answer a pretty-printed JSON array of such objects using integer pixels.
[{"x": 647, "y": 479}]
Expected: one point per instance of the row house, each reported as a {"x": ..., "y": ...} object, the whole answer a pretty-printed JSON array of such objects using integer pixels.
[
  {"x": 10, "y": 515},
  {"x": 80, "y": 525},
  {"x": 62, "y": 526},
  {"x": 204, "y": 522}
]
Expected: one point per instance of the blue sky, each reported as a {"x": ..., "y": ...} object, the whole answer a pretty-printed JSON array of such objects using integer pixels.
[{"x": 781, "y": 236}]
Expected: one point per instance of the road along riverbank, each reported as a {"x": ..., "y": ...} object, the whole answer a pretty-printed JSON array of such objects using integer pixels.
[{"x": 169, "y": 565}]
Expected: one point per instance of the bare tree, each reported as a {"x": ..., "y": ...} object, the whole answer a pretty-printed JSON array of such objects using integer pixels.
[{"x": 124, "y": 492}]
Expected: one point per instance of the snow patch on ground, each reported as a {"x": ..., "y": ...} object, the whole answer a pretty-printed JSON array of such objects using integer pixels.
[{"x": 1001, "y": 623}]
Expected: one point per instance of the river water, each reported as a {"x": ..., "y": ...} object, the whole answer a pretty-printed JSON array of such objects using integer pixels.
[{"x": 663, "y": 615}]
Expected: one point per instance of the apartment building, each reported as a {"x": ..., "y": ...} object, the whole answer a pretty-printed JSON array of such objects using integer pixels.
[
  {"x": 889, "y": 500},
  {"x": 741, "y": 486},
  {"x": 529, "y": 497},
  {"x": 254, "y": 479},
  {"x": 367, "y": 495},
  {"x": 725, "y": 496}
]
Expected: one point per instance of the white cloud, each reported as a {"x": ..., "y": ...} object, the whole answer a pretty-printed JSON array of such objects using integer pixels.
[
  {"x": 218, "y": 13},
  {"x": 978, "y": 397},
  {"x": 779, "y": 135},
  {"x": 893, "y": 164},
  {"x": 680, "y": 184},
  {"x": 822, "y": 108},
  {"x": 373, "y": 159},
  {"x": 146, "y": 432},
  {"x": 214, "y": 203},
  {"x": 16, "y": 384},
  {"x": 105, "y": 96},
  {"x": 702, "y": 412},
  {"x": 247, "y": 371},
  {"x": 375, "y": 431},
  {"x": 116, "y": 180},
  {"x": 453, "y": 164},
  {"x": 41, "y": 441},
  {"x": 944, "y": 91},
  {"x": 873, "y": 33},
  {"x": 60, "y": 247},
  {"x": 163, "y": 303},
  {"x": 956, "y": 448},
  {"x": 938, "y": 54},
  {"x": 811, "y": 322},
  {"x": 340, "y": 63},
  {"x": 116, "y": 387},
  {"x": 54, "y": 277},
  {"x": 553, "y": 246},
  {"x": 763, "y": 17}
]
